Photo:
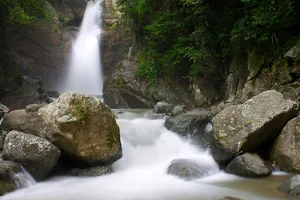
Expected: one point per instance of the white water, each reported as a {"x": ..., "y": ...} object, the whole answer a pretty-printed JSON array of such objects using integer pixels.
[
  {"x": 148, "y": 149},
  {"x": 23, "y": 179},
  {"x": 84, "y": 72}
]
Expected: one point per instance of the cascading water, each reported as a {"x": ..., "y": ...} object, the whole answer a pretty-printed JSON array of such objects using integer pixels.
[
  {"x": 141, "y": 174},
  {"x": 84, "y": 73}
]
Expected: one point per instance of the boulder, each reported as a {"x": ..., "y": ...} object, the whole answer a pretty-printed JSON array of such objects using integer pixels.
[
  {"x": 189, "y": 169},
  {"x": 291, "y": 186},
  {"x": 4, "y": 108},
  {"x": 286, "y": 149},
  {"x": 95, "y": 171},
  {"x": 163, "y": 107},
  {"x": 246, "y": 126},
  {"x": 192, "y": 124},
  {"x": 25, "y": 120},
  {"x": 83, "y": 127},
  {"x": 178, "y": 110},
  {"x": 248, "y": 165},
  {"x": 36, "y": 154},
  {"x": 7, "y": 183}
]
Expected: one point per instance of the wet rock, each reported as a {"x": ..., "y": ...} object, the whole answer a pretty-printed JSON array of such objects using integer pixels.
[
  {"x": 188, "y": 169},
  {"x": 248, "y": 165},
  {"x": 83, "y": 127},
  {"x": 286, "y": 149},
  {"x": 95, "y": 171},
  {"x": 191, "y": 124},
  {"x": 36, "y": 154},
  {"x": 163, "y": 107},
  {"x": 7, "y": 169},
  {"x": 244, "y": 127},
  {"x": 291, "y": 186},
  {"x": 178, "y": 110}
]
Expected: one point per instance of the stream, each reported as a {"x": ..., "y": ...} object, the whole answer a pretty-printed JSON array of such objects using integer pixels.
[{"x": 148, "y": 149}]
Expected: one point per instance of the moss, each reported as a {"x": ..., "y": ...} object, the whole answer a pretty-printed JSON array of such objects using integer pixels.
[
  {"x": 111, "y": 138},
  {"x": 81, "y": 108},
  {"x": 120, "y": 82}
]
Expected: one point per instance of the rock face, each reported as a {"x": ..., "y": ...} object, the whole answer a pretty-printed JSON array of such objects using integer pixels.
[
  {"x": 95, "y": 171},
  {"x": 163, "y": 107},
  {"x": 7, "y": 183},
  {"x": 192, "y": 123},
  {"x": 244, "y": 127},
  {"x": 291, "y": 186},
  {"x": 36, "y": 154},
  {"x": 125, "y": 90},
  {"x": 83, "y": 127},
  {"x": 248, "y": 165},
  {"x": 188, "y": 169},
  {"x": 286, "y": 150},
  {"x": 30, "y": 92}
]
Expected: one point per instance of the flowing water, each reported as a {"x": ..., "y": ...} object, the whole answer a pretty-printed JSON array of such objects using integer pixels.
[
  {"x": 148, "y": 149},
  {"x": 84, "y": 72}
]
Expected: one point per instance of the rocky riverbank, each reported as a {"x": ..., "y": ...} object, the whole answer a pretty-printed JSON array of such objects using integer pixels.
[{"x": 75, "y": 129}]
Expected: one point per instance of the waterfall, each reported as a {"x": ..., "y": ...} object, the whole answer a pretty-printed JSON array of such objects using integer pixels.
[
  {"x": 23, "y": 179},
  {"x": 84, "y": 73}
]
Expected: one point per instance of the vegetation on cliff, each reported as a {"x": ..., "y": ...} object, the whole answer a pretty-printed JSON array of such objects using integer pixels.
[{"x": 185, "y": 38}]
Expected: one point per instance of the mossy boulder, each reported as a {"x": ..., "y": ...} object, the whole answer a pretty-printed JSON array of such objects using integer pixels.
[
  {"x": 36, "y": 154},
  {"x": 286, "y": 149},
  {"x": 83, "y": 127},
  {"x": 244, "y": 127}
]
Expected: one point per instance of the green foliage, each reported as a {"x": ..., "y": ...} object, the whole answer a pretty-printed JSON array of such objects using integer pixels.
[{"x": 22, "y": 13}]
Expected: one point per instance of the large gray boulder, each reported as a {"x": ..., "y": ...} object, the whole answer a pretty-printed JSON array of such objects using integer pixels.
[
  {"x": 7, "y": 169},
  {"x": 248, "y": 165},
  {"x": 286, "y": 149},
  {"x": 244, "y": 127},
  {"x": 191, "y": 124},
  {"x": 189, "y": 169},
  {"x": 36, "y": 154},
  {"x": 83, "y": 127},
  {"x": 291, "y": 186}
]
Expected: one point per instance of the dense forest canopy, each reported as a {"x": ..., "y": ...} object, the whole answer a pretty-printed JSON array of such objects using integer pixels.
[{"x": 184, "y": 38}]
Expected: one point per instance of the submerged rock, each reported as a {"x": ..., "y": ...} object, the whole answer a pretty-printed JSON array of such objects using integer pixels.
[
  {"x": 163, "y": 107},
  {"x": 191, "y": 124},
  {"x": 248, "y": 165},
  {"x": 95, "y": 171},
  {"x": 83, "y": 127},
  {"x": 286, "y": 149},
  {"x": 244, "y": 127},
  {"x": 7, "y": 183},
  {"x": 189, "y": 169},
  {"x": 291, "y": 186},
  {"x": 36, "y": 154}
]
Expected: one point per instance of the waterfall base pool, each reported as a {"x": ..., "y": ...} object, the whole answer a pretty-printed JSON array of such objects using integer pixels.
[{"x": 148, "y": 149}]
